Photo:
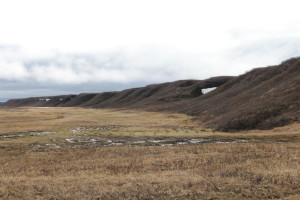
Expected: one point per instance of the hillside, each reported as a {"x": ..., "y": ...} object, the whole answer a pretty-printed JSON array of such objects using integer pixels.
[
  {"x": 154, "y": 97},
  {"x": 263, "y": 98}
]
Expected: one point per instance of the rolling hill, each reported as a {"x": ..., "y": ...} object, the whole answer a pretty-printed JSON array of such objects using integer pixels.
[
  {"x": 152, "y": 97},
  {"x": 263, "y": 98}
]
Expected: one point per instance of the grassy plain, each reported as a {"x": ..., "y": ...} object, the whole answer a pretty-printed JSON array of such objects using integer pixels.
[{"x": 265, "y": 166}]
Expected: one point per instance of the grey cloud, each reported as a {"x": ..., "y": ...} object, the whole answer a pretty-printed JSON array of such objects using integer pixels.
[
  {"x": 75, "y": 73},
  {"x": 10, "y": 89},
  {"x": 84, "y": 68}
]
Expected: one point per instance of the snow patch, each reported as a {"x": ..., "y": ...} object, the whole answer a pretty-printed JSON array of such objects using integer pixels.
[{"x": 207, "y": 90}]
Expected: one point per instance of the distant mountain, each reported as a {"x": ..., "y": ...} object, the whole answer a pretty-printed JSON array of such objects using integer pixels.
[{"x": 263, "y": 98}]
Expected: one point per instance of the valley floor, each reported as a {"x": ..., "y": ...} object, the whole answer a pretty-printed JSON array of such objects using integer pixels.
[{"x": 80, "y": 153}]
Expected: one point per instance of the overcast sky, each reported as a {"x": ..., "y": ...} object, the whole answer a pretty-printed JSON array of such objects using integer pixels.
[{"x": 50, "y": 47}]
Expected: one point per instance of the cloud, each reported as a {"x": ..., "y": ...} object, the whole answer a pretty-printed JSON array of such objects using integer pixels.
[
  {"x": 24, "y": 74},
  {"x": 13, "y": 71},
  {"x": 109, "y": 47},
  {"x": 146, "y": 64},
  {"x": 143, "y": 65}
]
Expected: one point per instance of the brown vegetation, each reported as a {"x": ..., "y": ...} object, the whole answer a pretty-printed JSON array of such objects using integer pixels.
[
  {"x": 263, "y": 98},
  {"x": 208, "y": 171},
  {"x": 266, "y": 167}
]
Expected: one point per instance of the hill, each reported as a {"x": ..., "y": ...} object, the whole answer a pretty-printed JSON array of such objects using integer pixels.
[
  {"x": 263, "y": 98},
  {"x": 152, "y": 97}
]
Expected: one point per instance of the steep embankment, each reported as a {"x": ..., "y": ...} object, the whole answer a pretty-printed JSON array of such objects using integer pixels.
[{"x": 260, "y": 99}]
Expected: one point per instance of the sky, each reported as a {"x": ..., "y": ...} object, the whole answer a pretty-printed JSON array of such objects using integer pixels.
[{"x": 53, "y": 47}]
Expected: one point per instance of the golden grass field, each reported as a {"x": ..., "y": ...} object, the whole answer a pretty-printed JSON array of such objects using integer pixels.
[{"x": 71, "y": 162}]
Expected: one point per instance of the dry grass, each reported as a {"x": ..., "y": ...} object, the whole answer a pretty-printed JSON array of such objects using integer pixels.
[
  {"x": 220, "y": 171},
  {"x": 15, "y": 120},
  {"x": 254, "y": 170}
]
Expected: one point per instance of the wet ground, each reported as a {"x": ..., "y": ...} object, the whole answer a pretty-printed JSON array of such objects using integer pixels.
[
  {"x": 78, "y": 138},
  {"x": 93, "y": 142},
  {"x": 97, "y": 128},
  {"x": 32, "y": 133},
  {"x": 130, "y": 141}
]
